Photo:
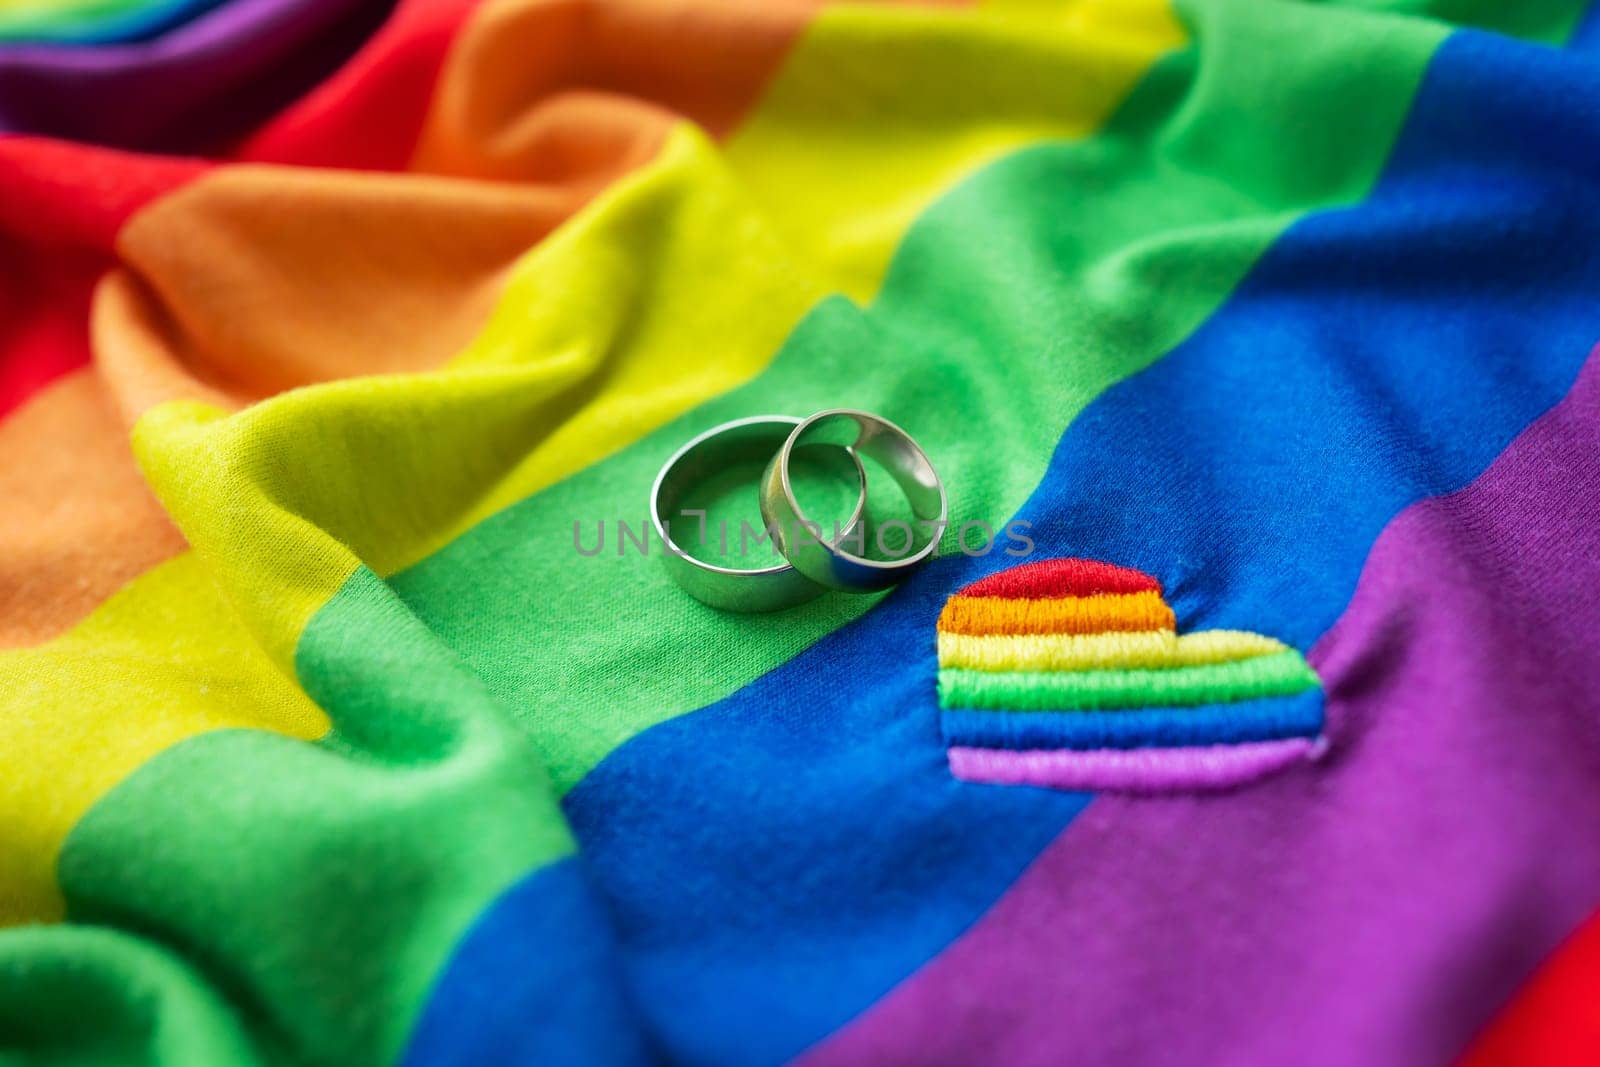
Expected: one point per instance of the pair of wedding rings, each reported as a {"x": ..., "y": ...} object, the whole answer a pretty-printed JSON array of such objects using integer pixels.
[{"x": 811, "y": 563}]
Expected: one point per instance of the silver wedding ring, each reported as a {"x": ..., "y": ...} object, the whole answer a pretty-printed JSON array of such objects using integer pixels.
[
  {"x": 830, "y": 563},
  {"x": 815, "y": 563},
  {"x": 750, "y": 440}
]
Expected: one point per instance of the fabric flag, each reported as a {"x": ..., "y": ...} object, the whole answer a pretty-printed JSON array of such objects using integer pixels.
[{"x": 1260, "y": 726}]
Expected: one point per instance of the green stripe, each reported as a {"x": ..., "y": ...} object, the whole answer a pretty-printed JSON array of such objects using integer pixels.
[
  {"x": 1545, "y": 21},
  {"x": 82, "y": 995},
  {"x": 1279, "y": 674},
  {"x": 322, "y": 886}
]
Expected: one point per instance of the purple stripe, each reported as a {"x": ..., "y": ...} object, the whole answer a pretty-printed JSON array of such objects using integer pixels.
[
  {"x": 191, "y": 89},
  {"x": 1374, "y": 907},
  {"x": 1136, "y": 770}
]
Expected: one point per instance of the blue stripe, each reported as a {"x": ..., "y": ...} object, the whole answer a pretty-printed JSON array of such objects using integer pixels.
[
  {"x": 543, "y": 985},
  {"x": 1213, "y": 724},
  {"x": 777, "y": 861}
]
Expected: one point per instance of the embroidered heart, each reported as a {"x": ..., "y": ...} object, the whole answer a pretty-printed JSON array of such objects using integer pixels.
[{"x": 1070, "y": 673}]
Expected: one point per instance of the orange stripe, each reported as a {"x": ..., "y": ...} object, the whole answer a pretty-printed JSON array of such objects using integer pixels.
[
  {"x": 255, "y": 280},
  {"x": 78, "y": 520},
  {"x": 1064, "y": 615},
  {"x": 563, "y": 90}
]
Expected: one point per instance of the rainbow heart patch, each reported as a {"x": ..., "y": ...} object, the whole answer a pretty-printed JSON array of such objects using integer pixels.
[{"x": 1071, "y": 674}]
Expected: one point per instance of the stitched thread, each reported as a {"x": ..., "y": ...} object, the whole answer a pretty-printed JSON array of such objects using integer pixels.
[
  {"x": 1211, "y": 724},
  {"x": 1062, "y": 578},
  {"x": 1279, "y": 674},
  {"x": 1102, "y": 651},
  {"x": 1059, "y": 615},
  {"x": 1138, "y": 770}
]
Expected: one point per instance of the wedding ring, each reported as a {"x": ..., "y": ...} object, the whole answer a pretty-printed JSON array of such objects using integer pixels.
[
  {"x": 751, "y": 440},
  {"x": 828, "y": 563}
]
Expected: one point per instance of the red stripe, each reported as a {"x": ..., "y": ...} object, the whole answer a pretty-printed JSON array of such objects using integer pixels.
[
  {"x": 61, "y": 205},
  {"x": 60, "y": 193},
  {"x": 1062, "y": 578},
  {"x": 1554, "y": 1020}
]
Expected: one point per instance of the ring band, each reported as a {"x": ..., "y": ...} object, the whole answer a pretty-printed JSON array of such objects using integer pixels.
[
  {"x": 751, "y": 440},
  {"x": 865, "y": 435}
]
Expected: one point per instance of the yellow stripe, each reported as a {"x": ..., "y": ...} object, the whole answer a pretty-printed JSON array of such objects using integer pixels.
[
  {"x": 676, "y": 285},
  {"x": 1101, "y": 651},
  {"x": 881, "y": 109}
]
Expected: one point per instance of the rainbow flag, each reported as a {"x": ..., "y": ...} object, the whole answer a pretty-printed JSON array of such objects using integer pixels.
[{"x": 1272, "y": 737}]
